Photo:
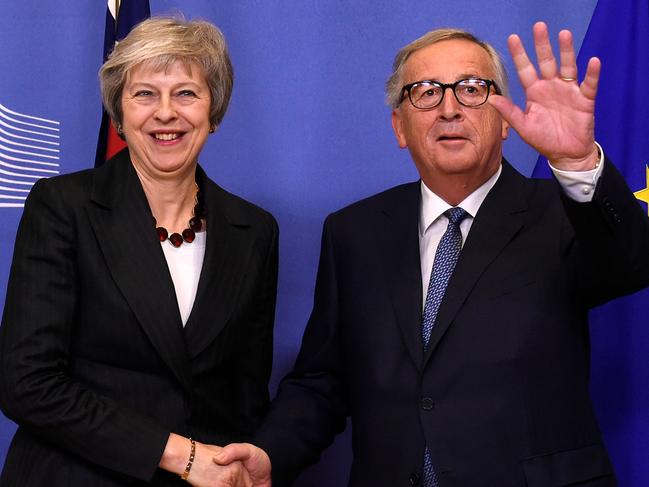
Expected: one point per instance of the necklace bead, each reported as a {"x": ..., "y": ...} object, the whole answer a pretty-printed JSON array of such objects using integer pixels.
[
  {"x": 162, "y": 233},
  {"x": 188, "y": 235},
  {"x": 195, "y": 224},
  {"x": 176, "y": 239}
]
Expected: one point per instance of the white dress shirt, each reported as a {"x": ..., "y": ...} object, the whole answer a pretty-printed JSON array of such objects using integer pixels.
[{"x": 578, "y": 185}]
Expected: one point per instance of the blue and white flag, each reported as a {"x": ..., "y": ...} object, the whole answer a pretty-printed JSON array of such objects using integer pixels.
[{"x": 619, "y": 35}]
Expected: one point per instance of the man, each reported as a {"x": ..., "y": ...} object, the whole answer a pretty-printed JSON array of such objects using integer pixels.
[{"x": 465, "y": 367}]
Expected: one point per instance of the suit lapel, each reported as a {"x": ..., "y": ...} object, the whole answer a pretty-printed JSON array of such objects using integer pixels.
[
  {"x": 227, "y": 253},
  {"x": 122, "y": 222},
  {"x": 399, "y": 246},
  {"x": 499, "y": 219}
]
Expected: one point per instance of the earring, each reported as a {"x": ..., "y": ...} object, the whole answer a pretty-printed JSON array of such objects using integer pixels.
[
  {"x": 119, "y": 129},
  {"x": 212, "y": 128}
]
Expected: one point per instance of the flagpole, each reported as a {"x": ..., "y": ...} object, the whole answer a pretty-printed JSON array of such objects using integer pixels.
[{"x": 117, "y": 4}]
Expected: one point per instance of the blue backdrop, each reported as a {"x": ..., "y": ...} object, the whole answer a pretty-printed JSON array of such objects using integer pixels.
[{"x": 306, "y": 133}]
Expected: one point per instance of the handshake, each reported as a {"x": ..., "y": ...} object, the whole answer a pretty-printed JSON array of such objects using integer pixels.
[
  {"x": 202, "y": 465},
  {"x": 249, "y": 465}
]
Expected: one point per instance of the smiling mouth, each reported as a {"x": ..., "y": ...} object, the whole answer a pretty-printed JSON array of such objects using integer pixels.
[{"x": 167, "y": 136}]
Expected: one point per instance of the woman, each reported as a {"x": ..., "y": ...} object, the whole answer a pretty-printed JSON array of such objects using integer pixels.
[{"x": 140, "y": 305}]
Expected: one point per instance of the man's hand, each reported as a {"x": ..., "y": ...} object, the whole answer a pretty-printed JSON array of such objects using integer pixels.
[
  {"x": 255, "y": 461},
  {"x": 207, "y": 473},
  {"x": 204, "y": 472},
  {"x": 559, "y": 117}
]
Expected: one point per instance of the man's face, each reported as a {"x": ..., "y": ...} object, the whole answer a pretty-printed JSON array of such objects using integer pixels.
[{"x": 450, "y": 140}]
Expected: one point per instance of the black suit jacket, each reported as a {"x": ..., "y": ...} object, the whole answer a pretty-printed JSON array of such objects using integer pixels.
[
  {"x": 501, "y": 396},
  {"x": 97, "y": 368}
]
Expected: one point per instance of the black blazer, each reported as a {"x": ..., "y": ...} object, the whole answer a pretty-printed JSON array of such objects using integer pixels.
[
  {"x": 501, "y": 396},
  {"x": 97, "y": 368}
]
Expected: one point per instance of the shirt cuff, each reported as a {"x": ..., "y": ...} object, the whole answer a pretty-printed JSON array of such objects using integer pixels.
[{"x": 580, "y": 185}]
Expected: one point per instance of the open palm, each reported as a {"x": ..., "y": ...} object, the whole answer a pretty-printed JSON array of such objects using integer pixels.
[{"x": 559, "y": 116}]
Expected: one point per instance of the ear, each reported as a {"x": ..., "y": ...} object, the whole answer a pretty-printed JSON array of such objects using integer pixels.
[
  {"x": 397, "y": 126},
  {"x": 505, "y": 130}
]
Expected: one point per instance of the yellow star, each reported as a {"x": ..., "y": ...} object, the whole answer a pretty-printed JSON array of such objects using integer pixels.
[{"x": 643, "y": 194}]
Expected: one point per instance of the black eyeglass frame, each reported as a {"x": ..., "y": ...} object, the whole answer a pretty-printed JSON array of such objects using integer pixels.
[{"x": 444, "y": 86}]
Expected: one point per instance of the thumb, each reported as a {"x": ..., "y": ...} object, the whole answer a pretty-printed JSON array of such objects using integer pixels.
[
  {"x": 232, "y": 453},
  {"x": 513, "y": 115}
]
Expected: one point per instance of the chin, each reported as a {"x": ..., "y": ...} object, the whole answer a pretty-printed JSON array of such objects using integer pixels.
[{"x": 459, "y": 167}]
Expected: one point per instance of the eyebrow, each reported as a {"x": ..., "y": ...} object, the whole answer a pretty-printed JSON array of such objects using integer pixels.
[
  {"x": 458, "y": 77},
  {"x": 147, "y": 84}
]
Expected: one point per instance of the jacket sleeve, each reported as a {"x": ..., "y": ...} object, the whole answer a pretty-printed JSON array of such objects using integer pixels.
[
  {"x": 612, "y": 236},
  {"x": 311, "y": 406},
  {"x": 37, "y": 328}
]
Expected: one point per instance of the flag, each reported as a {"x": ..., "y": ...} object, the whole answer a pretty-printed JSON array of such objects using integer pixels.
[
  {"x": 121, "y": 17},
  {"x": 619, "y": 35}
]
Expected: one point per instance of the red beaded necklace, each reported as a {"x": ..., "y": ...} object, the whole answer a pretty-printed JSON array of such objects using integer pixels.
[{"x": 188, "y": 234}]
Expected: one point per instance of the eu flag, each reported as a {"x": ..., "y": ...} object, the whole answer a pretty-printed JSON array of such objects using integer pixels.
[{"x": 619, "y": 35}]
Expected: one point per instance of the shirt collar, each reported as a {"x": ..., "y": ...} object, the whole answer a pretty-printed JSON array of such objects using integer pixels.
[{"x": 432, "y": 206}]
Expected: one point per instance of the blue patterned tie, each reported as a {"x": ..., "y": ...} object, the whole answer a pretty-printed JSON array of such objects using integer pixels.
[{"x": 446, "y": 256}]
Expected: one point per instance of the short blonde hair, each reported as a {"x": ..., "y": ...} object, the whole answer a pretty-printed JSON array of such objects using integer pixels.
[
  {"x": 160, "y": 42},
  {"x": 395, "y": 81}
]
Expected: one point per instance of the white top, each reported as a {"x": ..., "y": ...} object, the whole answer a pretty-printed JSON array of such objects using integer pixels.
[
  {"x": 185, "y": 263},
  {"x": 433, "y": 223},
  {"x": 578, "y": 185}
]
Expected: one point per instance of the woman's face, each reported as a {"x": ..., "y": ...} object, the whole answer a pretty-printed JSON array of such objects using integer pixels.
[{"x": 165, "y": 119}]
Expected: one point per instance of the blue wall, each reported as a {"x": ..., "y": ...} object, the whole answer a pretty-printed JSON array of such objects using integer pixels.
[{"x": 307, "y": 130}]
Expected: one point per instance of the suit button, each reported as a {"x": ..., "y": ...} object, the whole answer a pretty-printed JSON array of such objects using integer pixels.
[
  {"x": 414, "y": 479},
  {"x": 427, "y": 403}
]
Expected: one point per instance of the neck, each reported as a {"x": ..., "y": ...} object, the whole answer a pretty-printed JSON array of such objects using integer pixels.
[
  {"x": 171, "y": 201},
  {"x": 455, "y": 188},
  {"x": 451, "y": 190}
]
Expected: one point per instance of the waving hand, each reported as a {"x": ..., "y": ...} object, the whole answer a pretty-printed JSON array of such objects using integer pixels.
[{"x": 559, "y": 116}]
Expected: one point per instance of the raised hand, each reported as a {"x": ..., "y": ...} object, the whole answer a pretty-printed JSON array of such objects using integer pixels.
[
  {"x": 559, "y": 116},
  {"x": 255, "y": 461}
]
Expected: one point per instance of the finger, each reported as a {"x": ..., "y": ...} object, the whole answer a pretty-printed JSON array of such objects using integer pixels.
[
  {"x": 591, "y": 80},
  {"x": 524, "y": 68},
  {"x": 241, "y": 476},
  {"x": 544, "y": 54},
  {"x": 567, "y": 56},
  {"x": 231, "y": 453},
  {"x": 246, "y": 480},
  {"x": 512, "y": 114}
]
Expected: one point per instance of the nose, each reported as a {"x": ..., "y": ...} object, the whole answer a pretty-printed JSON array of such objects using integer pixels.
[
  {"x": 165, "y": 111},
  {"x": 450, "y": 108}
]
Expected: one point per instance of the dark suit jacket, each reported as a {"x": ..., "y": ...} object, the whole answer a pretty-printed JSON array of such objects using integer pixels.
[
  {"x": 97, "y": 368},
  {"x": 501, "y": 397}
]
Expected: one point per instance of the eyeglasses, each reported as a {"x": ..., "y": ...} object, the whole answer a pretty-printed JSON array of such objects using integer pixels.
[{"x": 470, "y": 92}]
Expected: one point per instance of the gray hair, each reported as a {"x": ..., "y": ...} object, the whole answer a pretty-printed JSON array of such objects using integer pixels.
[
  {"x": 395, "y": 81},
  {"x": 159, "y": 42}
]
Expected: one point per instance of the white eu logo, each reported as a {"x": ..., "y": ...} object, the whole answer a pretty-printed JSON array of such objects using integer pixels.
[{"x": 29, "y": 151}]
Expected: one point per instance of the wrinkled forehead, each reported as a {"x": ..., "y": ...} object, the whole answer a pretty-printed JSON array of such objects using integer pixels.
[
  {"x": 449, "y": 60},
  {"x": 164, "y": 64}
]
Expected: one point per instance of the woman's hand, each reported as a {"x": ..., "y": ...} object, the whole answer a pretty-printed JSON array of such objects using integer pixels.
[{"x": 204, "y": 472}]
